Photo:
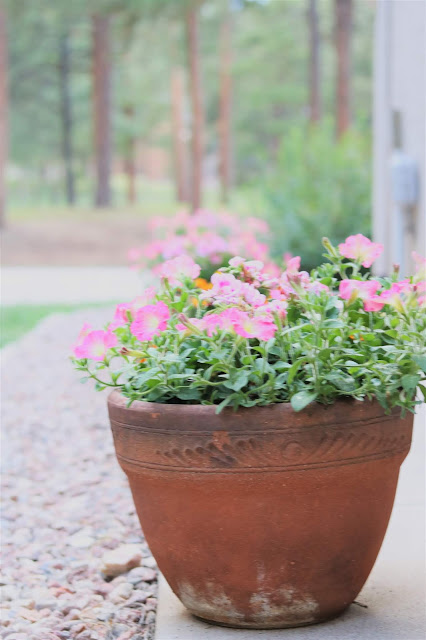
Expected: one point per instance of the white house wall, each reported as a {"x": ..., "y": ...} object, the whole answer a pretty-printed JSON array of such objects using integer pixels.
[{"x": 399, "y": 84}]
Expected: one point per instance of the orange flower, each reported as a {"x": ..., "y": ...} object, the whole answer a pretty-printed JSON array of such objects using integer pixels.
[{"x": 202, "y": 283}]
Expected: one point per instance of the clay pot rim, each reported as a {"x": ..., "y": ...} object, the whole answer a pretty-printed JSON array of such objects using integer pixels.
[
  {"x": 116, "y": 398},
  {"x": 278, "y": 415}
]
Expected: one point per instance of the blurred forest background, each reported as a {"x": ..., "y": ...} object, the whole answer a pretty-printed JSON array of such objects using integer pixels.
[{"x": 118, "y": 110}]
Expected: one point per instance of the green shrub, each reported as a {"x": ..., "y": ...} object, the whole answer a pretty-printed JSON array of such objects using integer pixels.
[{"x": 320, "y": 187}]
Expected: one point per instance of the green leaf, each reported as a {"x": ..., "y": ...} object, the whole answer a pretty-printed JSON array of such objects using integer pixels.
[
  {"x": 335, "y": 324},
  {"x": 301, "y": 399},
  {"x": 280, "y": 381},
  {"x": 282, "y": 366},
  {"x": 371, "y": 337},
  {"x": 263, "y": 366},
  {"x": 223, "y": 404},
  {"x": 275, "y": 350},
  {"x": 237, "y": 379},
  {"x": 294, "y": 369},
  {"x": 392, "y": 333},
  {"x": 341, "y": 381},
  {"x": 421, "y": 361},
  {"x": 325, "y": 354},
  {"x": 410, "y": 381},
  {"x": 141, "y": 378},
  {"x": 423, "y": 390},
  {"x": 188, "y": 394}
]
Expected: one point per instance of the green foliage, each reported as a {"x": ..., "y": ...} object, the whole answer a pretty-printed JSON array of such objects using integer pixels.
[
  {"x": 321, "y": 348},
  {"x": 319, "y": 187}
]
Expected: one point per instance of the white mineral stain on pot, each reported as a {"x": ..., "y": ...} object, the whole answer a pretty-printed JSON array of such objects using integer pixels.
[
  {"x": 210, "y": 603},
  {"x": 294, "y": 607}
]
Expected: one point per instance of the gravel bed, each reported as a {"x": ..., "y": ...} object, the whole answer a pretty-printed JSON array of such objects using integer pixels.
[{"x": 66, "y": 502}]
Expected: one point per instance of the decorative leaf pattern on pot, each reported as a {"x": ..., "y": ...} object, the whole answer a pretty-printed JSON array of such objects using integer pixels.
[{"x": 209, "y": 451}]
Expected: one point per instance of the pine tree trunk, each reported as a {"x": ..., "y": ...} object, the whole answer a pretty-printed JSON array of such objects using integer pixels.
[
  {"x": 3, "y": 113},
  {"x": 314, "y": 63},
  {"x": 102, "y": 108},
  {"x": 179, "y": 152},
  {"x": 196, "y": 107},
  {"x": 130, "y": 160},
  {"x": 225, "y": 107},
  {"x": 130, "y": 169},
  {"x": 343, "y": 29},
  {"x": 66, "y": 117}
]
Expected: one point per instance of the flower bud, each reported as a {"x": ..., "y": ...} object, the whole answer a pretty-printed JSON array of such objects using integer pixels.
[{"x": 331, "y": 250}]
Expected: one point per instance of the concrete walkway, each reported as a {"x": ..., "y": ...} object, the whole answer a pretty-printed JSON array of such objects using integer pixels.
[
  {"x": 69, "y": 285},
  {"x": 395, "y": 593}
]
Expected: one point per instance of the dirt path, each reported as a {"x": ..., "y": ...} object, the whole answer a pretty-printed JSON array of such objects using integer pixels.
[{"x": 95, "y": 239}]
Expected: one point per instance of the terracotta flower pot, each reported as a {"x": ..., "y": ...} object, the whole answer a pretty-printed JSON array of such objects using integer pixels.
[{"x": 262, "y": 518}]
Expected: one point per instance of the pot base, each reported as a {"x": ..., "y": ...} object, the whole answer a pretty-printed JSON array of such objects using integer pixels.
[{"x": 266, "y": 626}]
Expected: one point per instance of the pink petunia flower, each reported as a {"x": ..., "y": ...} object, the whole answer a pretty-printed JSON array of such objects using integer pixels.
[
  {"x": 242, "y": 323},
  {"x": 150, "y": 321},
  {"x": 224, "y": 320},
  {"x": 174, "y": 247},
  {"x": 95, "y": 344},
  {"x": 213, "y": 323},
  {"x": 198, "y": 323},
  {"x": 85, "y": 329},
  {"x": 252, "y": 296},
  {"x": 227, "y": 289},
  {"x": 394, "y": 295},
  {"x": 361, "y": 249},
  {"x": 420, "y": 265},
  {"x": 123, "y": 311},
  {"x": 420, "y": 290},
  {"x": 262, "y": 327},
  {"x": 271, "y": 272},
  {"x": 236, "y": 261},
  {"x": 317, "y": 287},
  {"x": 153, "y": 250},
  {"x": 252, "y": 271},
  {"x": 275, "y": 306},
  {"x": 418, "y": 259},
  {"x": 178, "y": 269},
  {"x": 120, "y": 318},
  {"x": 365, "y": 290},
  {"x": 210, "y": 244},
  {"x": 293, "y": 264}
]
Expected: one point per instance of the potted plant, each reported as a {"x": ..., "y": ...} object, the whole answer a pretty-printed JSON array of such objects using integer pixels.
[{"x": 262, "y": 424}]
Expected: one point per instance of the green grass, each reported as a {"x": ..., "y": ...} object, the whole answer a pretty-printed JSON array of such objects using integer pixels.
[
  {"x": 153, "y": 198},
  {"x": 17, "y": 320}
]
